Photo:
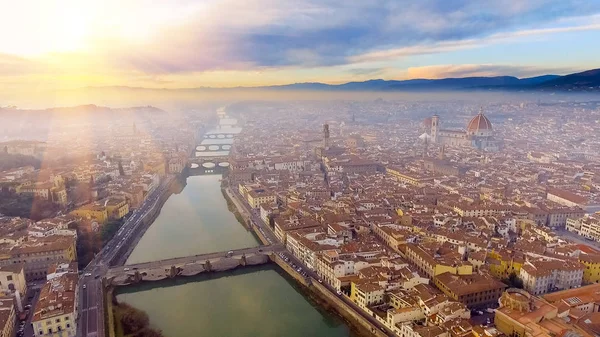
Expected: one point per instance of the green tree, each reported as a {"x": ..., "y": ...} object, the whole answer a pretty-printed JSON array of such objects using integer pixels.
[
  {"x": 513, "y": 281},
  {"x": 133, "y": 320}
]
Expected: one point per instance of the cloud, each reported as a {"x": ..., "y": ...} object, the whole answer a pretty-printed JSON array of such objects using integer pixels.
[
  {"x": 11, "y": 65},
  {"x": 467, "y": 70},
  {"x": 252, "y": 34},
  {"x": 448, "y": 46},
  {"x": 142, "y": 40}
]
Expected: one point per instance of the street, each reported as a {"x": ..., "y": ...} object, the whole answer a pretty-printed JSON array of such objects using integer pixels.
[{"x": 91, "y": 305}]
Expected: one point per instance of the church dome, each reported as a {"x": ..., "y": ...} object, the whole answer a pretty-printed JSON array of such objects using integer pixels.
[
  {"x": 427, "y": 122},
  {"x": 479, "y": 124}
]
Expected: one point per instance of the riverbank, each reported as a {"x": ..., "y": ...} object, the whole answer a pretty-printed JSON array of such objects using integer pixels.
[
  {"x": 175, "y": 185},
  {"x": 198, "y": 221},
  {"x": 315, "y": 291},
  {"x": 233, "y": 208}
]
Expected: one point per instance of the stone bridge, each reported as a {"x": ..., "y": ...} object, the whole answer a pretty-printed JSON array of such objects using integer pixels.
[
  {"x": 208, "y": 165},
  {"x": 190, "y": 265}
]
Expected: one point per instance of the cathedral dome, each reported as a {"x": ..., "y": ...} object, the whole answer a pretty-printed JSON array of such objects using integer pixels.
[
  {"x": 479, "y": 124},
  {"x": 427, "y": 122}
]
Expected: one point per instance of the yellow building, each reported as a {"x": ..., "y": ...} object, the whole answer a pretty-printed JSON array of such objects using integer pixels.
[
  {"x": 521, "y": 314},
  {"x": 94, "y": 211},
  {"x": 260, "y": 196},
  {"x": 39, "y": 253},
  {"x": 7, "y": 316},
  {"x": 503, "y": 263},
  {"x": 591, "y": 273},
  {"x": 116, "y": 207},
  {"x": 55, "y": 312},
  {"x": 431, "y": 265},
  {"x": 365, "y": 292},
  {"x": 410, "y": 178}
]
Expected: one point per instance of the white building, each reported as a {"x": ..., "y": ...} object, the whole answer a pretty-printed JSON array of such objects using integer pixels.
[{"x": 540, "y": 277}]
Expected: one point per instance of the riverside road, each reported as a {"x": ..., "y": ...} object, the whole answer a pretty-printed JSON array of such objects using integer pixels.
[{"x": 91, "y": 304}]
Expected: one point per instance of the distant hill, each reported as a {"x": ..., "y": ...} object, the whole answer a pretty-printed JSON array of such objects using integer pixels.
[
  {"x": 587, "y": 80},
  {"x": 584, "y": 81}
]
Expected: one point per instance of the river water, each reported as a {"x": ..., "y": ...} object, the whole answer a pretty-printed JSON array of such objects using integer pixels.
[{"x": 256, "y": 301}]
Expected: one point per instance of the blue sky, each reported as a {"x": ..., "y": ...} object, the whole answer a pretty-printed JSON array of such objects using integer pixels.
[{"x": 184, "y": 43}]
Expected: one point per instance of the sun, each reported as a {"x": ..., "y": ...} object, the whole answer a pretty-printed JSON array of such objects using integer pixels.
[
  {"x": 49, "y": 27},
  {"x": 69, "y": 31}
]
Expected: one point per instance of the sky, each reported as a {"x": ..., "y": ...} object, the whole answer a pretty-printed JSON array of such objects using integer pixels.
[{"x": 63, "y": 44}]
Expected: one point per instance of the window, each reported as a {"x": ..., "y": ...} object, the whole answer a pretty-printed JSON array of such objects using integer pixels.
[{"x": 9, "y": 278}]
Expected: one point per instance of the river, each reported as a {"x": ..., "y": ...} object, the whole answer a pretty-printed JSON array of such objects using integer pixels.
[{"x": 257, "y": 301}]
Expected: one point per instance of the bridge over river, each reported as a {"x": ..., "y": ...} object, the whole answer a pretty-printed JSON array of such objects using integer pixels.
[{"x": 190, "y": 265}]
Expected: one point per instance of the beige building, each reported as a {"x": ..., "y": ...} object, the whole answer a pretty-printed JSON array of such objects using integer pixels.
[
  {"x": 55, "y": 312},
  {"x": 12, "y": 278},
  {"x": 7, "y": 316},
  {"x": 540, "y": 277},
  {"x": 38, "y": 254},
  {"x": 260, "y": 196}
]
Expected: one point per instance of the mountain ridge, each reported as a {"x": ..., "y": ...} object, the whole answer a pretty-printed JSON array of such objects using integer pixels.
[{"x": 588, "y": 80}]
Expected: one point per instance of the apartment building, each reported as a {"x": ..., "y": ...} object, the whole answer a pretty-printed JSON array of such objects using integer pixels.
[
  {"x": 55, "y": 313},
  {"x": 588, "y": 226},
  {"x": 434, "y": 264},
  {"x": 38, "y": 254},
  {"x": 540, "y": 277},
  {"x": 474, "y": 291},
  {"x": 7, "y": 316}
]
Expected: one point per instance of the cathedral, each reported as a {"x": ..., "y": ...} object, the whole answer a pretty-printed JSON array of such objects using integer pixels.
[{"x": 479, "y": 134}]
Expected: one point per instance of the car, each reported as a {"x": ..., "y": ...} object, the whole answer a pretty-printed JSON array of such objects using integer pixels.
[
  {"x": 84, "y": 286},
  {"x": 320, "y": 281},
  {"x": 87, "y": 274},
  {"x": 339, "y": 293},
  {"x": 125, "y": 269}
]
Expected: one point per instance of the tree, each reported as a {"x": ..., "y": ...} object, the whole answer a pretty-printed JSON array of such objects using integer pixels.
[
  {"x": 133, "y": 320},
  {"x": 513, "y": 281}
]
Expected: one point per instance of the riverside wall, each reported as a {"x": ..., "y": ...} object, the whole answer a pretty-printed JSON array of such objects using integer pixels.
[
  {"x": 288, "y": 269},
  {"x": 345, "y": 311}
]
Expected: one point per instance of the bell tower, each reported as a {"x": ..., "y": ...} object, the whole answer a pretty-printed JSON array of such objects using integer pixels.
[{"x": 435, "y": 127}]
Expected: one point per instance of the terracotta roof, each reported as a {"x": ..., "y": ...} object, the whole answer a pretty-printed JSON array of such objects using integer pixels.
[{"x": 479, "y": 122}]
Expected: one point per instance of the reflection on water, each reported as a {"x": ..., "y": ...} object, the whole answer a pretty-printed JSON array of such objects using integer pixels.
[
  {"x": 193, "y": 222},
  {"x": 258, "y": 301}
]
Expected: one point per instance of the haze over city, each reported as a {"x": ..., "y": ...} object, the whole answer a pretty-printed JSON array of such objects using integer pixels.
[{"x": 317, "y": 168}]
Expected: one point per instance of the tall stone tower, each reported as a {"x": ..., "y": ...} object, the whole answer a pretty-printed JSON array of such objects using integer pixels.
[
  {"x": 435, "y": 127},
  {"x": 325, "y": 136}
]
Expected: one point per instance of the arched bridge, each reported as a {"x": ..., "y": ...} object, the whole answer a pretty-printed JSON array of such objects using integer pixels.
[
  {"x": 213, "y": 147},
  {"x": 208, "y": 165},
  {"x": 191, "y": 265},
  {"x": 219, "y": 135}
]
